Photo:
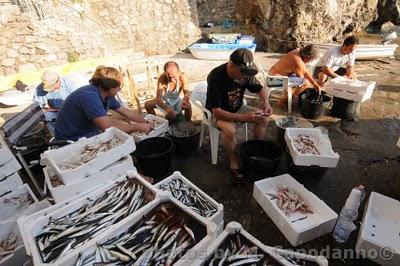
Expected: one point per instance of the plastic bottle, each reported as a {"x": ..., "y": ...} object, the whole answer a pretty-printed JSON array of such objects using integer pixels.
[{"x": 345, "y": 224}]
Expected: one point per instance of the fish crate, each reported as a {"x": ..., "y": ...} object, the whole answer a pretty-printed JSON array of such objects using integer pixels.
[
  {"x": 5, "y": 152},
  {"x": 379, "y": 235},
  {"x": 9, "y": 167},
  {"x": 62, "y": 156},
  {"x": 32, "y": 226},
  {"x": 235, "y": 237},
  {"x": 9, "y": 183},
  {"x": 353, "y": 90},
  {"x": 161, "y": 127},
  {"x": 326, "y": 157},
  {"x": 217, "y": 217},
  {"x": 16, "y": 202},
  {"x": 61, "y": 192},
  {"x": 299, "y": 225},
  {"x": 18, "y": 256},
  {"x": 199, "y": 235}
]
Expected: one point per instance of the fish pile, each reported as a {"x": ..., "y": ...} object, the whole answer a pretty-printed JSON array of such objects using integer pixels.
[
  {"x": 290, "y": 201},
  {"x": 64, "y": 234},
  {"x": 183, "y": 129},
  {"x": 161, "y": 238},
  {"x": 89, "y": 152},
  {"x": 305, "y": 145},
  {"x": 20, "y": 201},
  {"x": 237, "y": 252},
  {"x": 190, "y": 197},
  {"x": 157, "y": 124},
  {"x": 8, "y": 245}
]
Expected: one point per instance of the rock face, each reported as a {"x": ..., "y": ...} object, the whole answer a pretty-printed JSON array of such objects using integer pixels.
[{"x": 388, "y": 10}]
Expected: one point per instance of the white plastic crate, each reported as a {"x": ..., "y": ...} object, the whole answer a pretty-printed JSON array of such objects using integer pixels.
[
  {"x": 10, "y": 183},
  {"x": 379, "y": 235},
  {"x": 297, "y": 228},
  {"x": 10, "y": 208},
  {"x": 217, "y": 218},
  {"x": 9, "y": 167},
  {"x": 5, "y": 152},
  {"x": 124, "y": 225},
  {"x": 87, "y": 184},
  {"x": 53, "y": 158},
  {"x": 279, "y": 255},
  {"x": 32, "y": 225},
  {"x": 353, "y": 90},
  {"x": 161, "y": 129},
  {"x": 327, "y": 157}
]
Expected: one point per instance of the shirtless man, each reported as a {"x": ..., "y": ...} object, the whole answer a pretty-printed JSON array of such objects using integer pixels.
[{"x": 293, "y": 65}]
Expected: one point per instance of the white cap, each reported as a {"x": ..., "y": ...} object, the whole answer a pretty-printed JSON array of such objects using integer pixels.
[
  {"x": 49, "y": 79},
  {"x": 354, "y": 199}
]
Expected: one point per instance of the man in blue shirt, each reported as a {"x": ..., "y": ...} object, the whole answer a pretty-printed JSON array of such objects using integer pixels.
[{"x": 84, "y": 112}]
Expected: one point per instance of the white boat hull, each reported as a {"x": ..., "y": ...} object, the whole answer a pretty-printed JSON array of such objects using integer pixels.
[
  {"x": 366, "y": 51},
  {"x": 208, "y": 52}
]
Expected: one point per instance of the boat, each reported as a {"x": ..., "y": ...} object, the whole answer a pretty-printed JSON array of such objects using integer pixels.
[
  {"x": 365, "y": 51},
  {"x": 217, "y": 51}
]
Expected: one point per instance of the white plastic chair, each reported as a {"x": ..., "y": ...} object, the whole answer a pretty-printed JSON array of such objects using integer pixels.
[{"x": 198, "y": 99}]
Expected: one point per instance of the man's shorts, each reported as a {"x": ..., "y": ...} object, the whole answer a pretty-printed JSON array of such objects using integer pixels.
[
  {"x": 243, "y": 109},
  {"x": 293, "y": 81},
  {"x": 341, "y": 71}
]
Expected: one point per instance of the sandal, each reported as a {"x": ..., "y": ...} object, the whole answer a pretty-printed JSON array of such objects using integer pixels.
[{"x": 237, "y": 177}]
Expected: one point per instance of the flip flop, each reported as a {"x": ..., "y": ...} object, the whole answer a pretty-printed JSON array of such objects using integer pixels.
[{"x": 237, "y": 177}]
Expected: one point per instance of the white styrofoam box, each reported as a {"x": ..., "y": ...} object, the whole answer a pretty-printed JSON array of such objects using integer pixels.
[
  {"x": 327, "y": 157},
  {"x": 19, "y": 256},
  {"x": 31, "y": 225},
  {"x": 54, "y": 157},
  {"x": 217, "y": 218},
  {"x": 5, "y": 152},
  {"x": 297, "y": 228},
  {"x": 279, "y": 255},
  {"x": 87, "y": 184},
  {"x": 9, "y": 167},
  {"x": 162, "y": 128},
  {"x": 379, "y": 235},
  {"x": 350, "y": 89},
  {"x": 10, "y": 208},
  {"x": 10, "y": 183}
]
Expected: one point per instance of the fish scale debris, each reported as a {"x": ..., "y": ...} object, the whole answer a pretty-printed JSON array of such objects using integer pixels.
[
  {"x": 190, "y": 197},
  {"x": 64, "y": 234}
]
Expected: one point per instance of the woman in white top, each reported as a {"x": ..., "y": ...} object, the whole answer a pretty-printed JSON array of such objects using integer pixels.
[{"x": 170, "y": 85}]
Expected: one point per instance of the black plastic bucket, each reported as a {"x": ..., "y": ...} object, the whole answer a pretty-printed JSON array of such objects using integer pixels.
[
  {"x": 186, "y": 141},
  {"x": 314, "y": 105},
  {"x": 305, "y": 174},
  {"x": 345, "y": 109},
  {"x": 260, "y": 158},
  {"x": 154, "y": 156}
]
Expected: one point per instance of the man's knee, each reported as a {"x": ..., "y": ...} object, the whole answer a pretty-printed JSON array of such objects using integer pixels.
[
  {"x": 262, "y": 121},
  {"x": 149, "y": 105},
  {"x": 228, "y": 129}
]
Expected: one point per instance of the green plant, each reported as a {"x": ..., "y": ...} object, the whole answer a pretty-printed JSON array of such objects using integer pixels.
[{"x": 72, "y": 56}]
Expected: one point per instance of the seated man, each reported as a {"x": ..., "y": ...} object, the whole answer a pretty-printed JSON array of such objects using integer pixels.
[
  {"x": 169, "y": 86},
  {"x": 84, "y": 112},
  {"x": 51, "y": 93},
  {"x": 332, "y": 63},
  {"x": 293, "y": 65},
  {"x": 226, "y": 86}
]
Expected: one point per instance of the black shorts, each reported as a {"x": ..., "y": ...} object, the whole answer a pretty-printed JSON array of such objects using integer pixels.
[{"x": 341, "y": 71}]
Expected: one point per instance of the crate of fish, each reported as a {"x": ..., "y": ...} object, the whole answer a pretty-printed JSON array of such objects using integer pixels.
[
  {"x": 160, "y": 127},
  {"x": 165, "y": 235},
  {"x": 9, "y": 167},
  {"x": 193, "y": 198},
  {"x": 60, "y": 192},
  {"x": 9, "y": 183},
  {"x": 309, "y": 147},
  {"x": 50, "y": 236},
  {"x": 16, "y": 202},
  {"x": 235, "y": 246},
  {"x": 5, "y": 152},
  {"x": 298, "y": 213},
  {"x": 88, "y": 155}
]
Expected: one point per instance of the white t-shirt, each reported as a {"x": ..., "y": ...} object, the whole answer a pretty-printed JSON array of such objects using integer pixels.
[{"x": 334, "y": 59}]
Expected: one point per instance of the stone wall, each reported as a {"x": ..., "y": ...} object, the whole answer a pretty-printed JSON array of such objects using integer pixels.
[
  {"x": 101, "y": 27},
  {"x": 217, "y": 11}
]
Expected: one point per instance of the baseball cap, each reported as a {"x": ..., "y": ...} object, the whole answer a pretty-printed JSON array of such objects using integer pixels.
[
  {"x": 243, "y": 59},
  {"x": 49, "y": 79}
]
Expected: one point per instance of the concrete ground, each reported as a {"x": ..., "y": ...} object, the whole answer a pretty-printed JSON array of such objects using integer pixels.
[{"x": 366, "y": 147}]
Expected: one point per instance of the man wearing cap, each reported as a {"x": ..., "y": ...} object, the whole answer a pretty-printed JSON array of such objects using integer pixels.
[
  {"x": 225, "y": 90},
  {"x": 51, "y": 93}
]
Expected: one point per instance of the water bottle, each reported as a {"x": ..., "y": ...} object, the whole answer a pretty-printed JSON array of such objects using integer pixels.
[{"x": 345, "y": 224}]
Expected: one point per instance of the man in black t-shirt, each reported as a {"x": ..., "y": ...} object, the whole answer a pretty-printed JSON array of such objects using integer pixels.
[{"x": 226, "y": 86}]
